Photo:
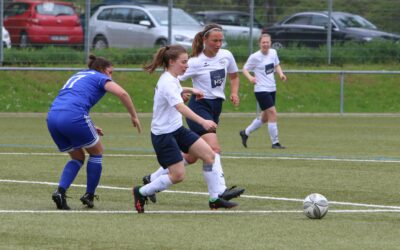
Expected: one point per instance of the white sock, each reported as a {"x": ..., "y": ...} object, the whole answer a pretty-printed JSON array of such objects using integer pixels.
[
  {"x": 217, "y": 168},
  {"x": 273, "y": 132},
  {"x": 160, "y": 184},
  {"x": 158, "y": 173},
  {"x": 256, "y": 124},
  {"x": 212, "y": 179}
]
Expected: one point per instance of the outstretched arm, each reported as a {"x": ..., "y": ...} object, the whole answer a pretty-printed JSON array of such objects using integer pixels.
[{"x": 188, "y": 113}]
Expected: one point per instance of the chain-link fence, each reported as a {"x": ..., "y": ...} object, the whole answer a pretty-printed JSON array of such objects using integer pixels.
[{"x": 53, "y": 33}]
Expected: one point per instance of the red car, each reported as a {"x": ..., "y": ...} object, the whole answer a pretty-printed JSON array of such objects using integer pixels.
[{"x": 35, "y": 22}]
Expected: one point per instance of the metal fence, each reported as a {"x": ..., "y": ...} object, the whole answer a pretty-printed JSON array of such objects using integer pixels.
[{"x": 385, "y": 14}]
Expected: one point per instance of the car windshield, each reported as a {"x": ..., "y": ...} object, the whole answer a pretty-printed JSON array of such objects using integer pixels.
[
  {"x": 352, "y": 21},
  {"x": 53, "y": 9},
  {"x": 179, "y": 18}
]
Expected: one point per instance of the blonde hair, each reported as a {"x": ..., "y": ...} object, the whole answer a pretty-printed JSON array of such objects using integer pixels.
[{"x": 197, "y": 45}]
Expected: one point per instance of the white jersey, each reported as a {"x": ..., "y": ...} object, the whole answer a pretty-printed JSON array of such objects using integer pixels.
[
  {"x": 166, "y": 119},
  {"x": 209, "y": 73},
  {"x": 263, "y": 67}
]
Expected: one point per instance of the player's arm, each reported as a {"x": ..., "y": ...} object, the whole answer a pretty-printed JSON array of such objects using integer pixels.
[
  {"x": 249, "y": 76},
  {"x": 126, "y": 100},
  {"x": 192, "y": 91},
  {"x": 188, "y": 113},
  {"x": 279, "y": 71},
  {"x": 234, "y": 79}
]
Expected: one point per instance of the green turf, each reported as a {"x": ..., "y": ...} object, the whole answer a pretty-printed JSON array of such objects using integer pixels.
[{"x": 350, "y": 158}]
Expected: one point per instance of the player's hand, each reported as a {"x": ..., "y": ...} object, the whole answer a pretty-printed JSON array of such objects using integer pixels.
[
  {"x": 186, "y": 96},
  {"x": 209, "y": 125},
  {"x": 283, "y": 77},
  {"x": 235, "y": 99},
  {"x": 99, "y": 131},
  {"x": 198, "y": 93},
  {"x": 253, "y": 80},
  {"x": 136, "y": 124}
]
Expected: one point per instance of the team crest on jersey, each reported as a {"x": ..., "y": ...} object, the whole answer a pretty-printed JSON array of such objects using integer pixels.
[
  {"x": 206, "y": 64},
  {"x": 222, "y": 62}
]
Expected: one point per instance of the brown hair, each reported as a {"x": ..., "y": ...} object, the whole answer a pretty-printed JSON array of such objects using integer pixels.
[
  {"x": 163, "y": 55},
  {"x": 98, "y": 63},
  {"x": 263, "y": 35},
  {"x": 197, "y": 45}
]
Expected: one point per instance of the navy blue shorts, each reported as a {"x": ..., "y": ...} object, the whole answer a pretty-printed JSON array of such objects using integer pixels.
[
  {"x": 209, "y": 109},
  {"x": 71, "y": 130},
  {"x": 265, "y": 99},
  {"x": 168, "y": 147}
]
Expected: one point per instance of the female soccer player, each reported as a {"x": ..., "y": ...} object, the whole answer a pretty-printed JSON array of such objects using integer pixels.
[
  {"x": 209, "y": 67},
  {"x": 264, "y": 63},
  {"x": 73, "y": 131},
  {"x": 168, "y": 135}
]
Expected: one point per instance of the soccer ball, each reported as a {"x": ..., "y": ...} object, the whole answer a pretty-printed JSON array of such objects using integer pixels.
[{"x": 315, "y": 206}]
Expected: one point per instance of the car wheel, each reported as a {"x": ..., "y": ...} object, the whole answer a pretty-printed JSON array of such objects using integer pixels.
[
  {"x": 100, "y": 42},
  {"x": 23, "y": 40},
  {"x": 277, "y": 45},
  {"x": 161, "y": 43}
]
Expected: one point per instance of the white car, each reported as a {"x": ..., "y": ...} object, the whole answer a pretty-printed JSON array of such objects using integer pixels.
[
  {"x": 6, "y": 39},
  {"x": 140, "y": 26}
]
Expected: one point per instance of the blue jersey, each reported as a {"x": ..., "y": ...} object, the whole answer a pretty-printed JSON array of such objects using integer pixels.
[{"x": 81, "y": 92}]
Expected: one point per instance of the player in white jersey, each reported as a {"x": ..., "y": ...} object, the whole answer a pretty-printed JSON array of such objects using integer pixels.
[
  {"x": 73, "y": 131},
  {"x": 168, "y": 135},
  {"x": 209, "y": 67},
  {"x": 264, "y": 63}
]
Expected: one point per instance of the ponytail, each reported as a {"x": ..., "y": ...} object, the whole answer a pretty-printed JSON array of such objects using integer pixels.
[{"x": 162, "y": 57}]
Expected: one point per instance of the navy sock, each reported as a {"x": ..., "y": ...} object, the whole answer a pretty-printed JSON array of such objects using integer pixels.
[
  {"x": 69, "y": 173},
  {"x": 93, "y": 170}
]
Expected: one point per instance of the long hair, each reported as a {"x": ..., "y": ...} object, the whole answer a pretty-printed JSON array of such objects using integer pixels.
[
  {"x": 163, "y": 55},
  {"x": 98, "y": 63},
  {"x": 197, "y": 45}
]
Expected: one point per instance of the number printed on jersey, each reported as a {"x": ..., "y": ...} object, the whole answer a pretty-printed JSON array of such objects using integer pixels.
[
  {"x": 71, "y": 81},
  {"x": 217, "y": 77},
  {"x": 269, "y": 68}
]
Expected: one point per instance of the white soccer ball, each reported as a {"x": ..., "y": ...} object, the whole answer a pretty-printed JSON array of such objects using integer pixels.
[{"x": 315, "y": 206}]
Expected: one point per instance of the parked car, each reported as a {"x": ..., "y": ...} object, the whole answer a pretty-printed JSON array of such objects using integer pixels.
[
  {"x": 310, "y": 29},
  {"x": 39, "y": 22},
  {"x": 6, "y": 39},
  {"x": 128, "y": 26},
  {"x": 236, "y": 24}
]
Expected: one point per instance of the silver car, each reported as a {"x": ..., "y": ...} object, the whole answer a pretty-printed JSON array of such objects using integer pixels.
[
  {"x": 140, "y": 26},
  {"x": 6, "y": 39}
]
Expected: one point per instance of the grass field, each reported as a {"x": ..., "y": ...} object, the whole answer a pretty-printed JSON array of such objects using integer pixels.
[{"x": 352, "y": 159}]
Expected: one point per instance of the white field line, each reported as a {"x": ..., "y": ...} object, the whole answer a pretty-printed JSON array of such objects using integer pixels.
[
  {"x": 187, "y": 211},
  {"x": 225, "y": 157},
  {"x": 203, "y": 193}
]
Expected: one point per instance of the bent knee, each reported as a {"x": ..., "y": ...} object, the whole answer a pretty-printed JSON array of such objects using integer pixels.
[{"x": 177, "y": 177}]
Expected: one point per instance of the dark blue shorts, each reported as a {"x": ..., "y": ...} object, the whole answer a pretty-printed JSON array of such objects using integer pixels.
[
  {"x": 209, "y": 109},
  {"x": 71, "y": 130},
  {"x": 168, "y": 147},
  {"x": 265, "y": 99}
]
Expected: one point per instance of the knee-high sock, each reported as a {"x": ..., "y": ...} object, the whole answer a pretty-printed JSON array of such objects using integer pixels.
[
  {"x": 161, "y": 171},
  {"x": 69, "y": 173},
  {"x": 212, "y": 179},
  {"x": 217, "y": 168},
  {"x": 273, "y": 132},
  {"x": 162, "y": 183},
  {"x": 256, "y": 124},
  {"x": 93, "y": 170}
]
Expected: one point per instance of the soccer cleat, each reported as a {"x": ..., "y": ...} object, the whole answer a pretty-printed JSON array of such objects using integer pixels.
[
  {"x": 87, "y": 199},
  {"x": 221, "y": 203},
  {"x": 146, "y": 180},
  {"x": 244, "y": 138},
  {"x": 278, "y": 146},
  {"x": 60, "y": 199},
  {"x": 231, "y": 193},
  {"x": 140, "y": 200}
]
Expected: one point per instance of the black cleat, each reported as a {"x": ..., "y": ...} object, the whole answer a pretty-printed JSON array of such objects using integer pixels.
[
  {"x": 146, "y": 180},
  {"x": 60, "y": 199},
  {"x": 244, "y": 138},
  {"x": 87, "y": 199},
  {"x": 140, "y": 200},
  {"x": 278, "y": 146},
  {"x": 231, "y": 193},
  {"x": 221, "y": 203}
]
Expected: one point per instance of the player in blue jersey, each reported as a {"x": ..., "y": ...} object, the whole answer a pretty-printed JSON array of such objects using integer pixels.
[{"x": 73, "y": 131}]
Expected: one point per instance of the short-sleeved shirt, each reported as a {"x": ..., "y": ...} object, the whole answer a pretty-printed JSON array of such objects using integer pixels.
[
  {"x": 81, "y": 92},
  {"x": 166, "y": 118},
  {"x": 263, "y": 67},
  {"x": 209, "y": 73}
]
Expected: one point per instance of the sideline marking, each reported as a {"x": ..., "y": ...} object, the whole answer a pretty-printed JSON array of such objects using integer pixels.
[
  {"x": 229, "y": 157},
  {"x": 397, "y": 208},
  {"x": 187, "y": 211}
]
